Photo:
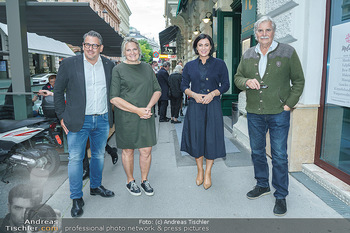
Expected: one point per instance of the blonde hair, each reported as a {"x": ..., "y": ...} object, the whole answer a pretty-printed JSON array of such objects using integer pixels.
[{"x": 131, "y": 39}]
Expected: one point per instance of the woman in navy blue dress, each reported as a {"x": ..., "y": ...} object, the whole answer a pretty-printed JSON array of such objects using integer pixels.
[{"x": 204, "y": 80}]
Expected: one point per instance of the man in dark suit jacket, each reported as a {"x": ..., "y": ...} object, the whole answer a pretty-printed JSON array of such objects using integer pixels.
[
  {"x": 163, "y": 81},
  {"x": 83, "y": 82}
]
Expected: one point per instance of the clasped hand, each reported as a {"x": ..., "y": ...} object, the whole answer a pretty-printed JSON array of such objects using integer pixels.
[
  {"x": 144, "y": 113},
  {"x": 203, "y": 99}
]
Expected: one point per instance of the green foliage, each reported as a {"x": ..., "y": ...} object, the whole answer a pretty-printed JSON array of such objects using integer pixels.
[{"x": 146, "y": 50}]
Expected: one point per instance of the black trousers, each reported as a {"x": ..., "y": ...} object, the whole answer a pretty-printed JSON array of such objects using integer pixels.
[
  {"x": 158, "y": 104},
  {"x": 175, "y": 104},
  {"x": 163, "y": 109}
]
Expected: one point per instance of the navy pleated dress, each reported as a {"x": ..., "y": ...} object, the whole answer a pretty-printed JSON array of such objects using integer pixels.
[{"x": 203, "y": 127}]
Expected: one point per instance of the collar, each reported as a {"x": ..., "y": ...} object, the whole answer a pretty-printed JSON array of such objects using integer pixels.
[
  {"x": 208, "y": 60},
  {"x": 98, "y": 59},
  {"x": 273, "y": 46}
]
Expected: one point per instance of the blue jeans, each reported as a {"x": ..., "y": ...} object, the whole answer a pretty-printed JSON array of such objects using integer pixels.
[
  {"x": 96, "y": 128},
  {"x": 278, "y": 126}
]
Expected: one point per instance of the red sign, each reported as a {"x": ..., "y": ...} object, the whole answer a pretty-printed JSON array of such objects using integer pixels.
[{"x": 155, "y": 54}]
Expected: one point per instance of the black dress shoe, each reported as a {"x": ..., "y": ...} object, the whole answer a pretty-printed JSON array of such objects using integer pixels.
[
  {"x": 77, "y": 208},
  {"x": 114, "y": 158},
  {"x": 102, "y": 191},
  {"x": 163, "y": 120},
  {"x": 113, "y": 151},
  {"x": 280, "y": 208},
  {"x": 177, "y": 122},
  {"x": 85, "y": 173}
]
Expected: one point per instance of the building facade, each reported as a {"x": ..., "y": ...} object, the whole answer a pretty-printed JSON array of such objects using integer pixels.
[
  {"x": 106, "y": 9},
  {"x": 124, "y": 13},
  {"x": 319, "y": 134}
]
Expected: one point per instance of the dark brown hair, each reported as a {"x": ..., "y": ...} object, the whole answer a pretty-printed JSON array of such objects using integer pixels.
[{"x": 201, "y": 37}]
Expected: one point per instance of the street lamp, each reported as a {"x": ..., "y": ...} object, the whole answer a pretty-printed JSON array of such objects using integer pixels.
[
  {"x": 189, "y": 39},
  {"x": 207, "y": 18},
  {"x": 197, "y": 31},
  {"x": 103, "y": 14}
]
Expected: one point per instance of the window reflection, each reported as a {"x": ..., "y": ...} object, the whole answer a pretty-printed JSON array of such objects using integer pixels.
[{"x": 346, "y": 10}]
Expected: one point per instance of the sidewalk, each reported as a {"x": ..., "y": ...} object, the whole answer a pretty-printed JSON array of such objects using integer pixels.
[{"x": 173, "y": 175}]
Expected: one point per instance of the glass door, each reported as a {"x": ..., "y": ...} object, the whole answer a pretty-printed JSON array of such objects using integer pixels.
[
  {"x": 333, "y": 144},
  {"x": 228, "y": 49}
]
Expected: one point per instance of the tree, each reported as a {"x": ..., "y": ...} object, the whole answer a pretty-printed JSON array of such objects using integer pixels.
[{"x": 146, "y": 51}]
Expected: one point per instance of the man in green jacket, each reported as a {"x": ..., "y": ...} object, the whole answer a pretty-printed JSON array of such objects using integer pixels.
[{"x": 273, "y": 78}]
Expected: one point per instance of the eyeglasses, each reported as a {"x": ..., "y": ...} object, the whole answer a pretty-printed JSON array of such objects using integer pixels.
[{"x": 88, "y": 46}]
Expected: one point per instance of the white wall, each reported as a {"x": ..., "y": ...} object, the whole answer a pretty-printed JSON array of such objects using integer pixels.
[{"x": 311, "y": 14}]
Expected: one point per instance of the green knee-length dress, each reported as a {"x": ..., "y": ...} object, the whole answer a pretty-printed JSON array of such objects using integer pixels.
[{"x": 135, "y": 83}]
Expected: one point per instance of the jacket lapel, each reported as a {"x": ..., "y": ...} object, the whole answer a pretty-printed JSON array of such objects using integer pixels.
[{"x": 80, "y": 74}]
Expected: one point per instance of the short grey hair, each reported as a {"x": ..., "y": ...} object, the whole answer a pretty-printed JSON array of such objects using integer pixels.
[
  {"x": 93, "y": 34},
  {"x": 131, "y": 39},
  {"x": 264, "y": 18},
  {"x": 166, "y": 64},
  {"x": 177, "y": 69}
]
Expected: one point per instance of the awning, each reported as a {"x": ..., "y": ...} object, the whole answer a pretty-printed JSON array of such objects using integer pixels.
[
  {"x": 68, "y": 22},
  {"x": 168, "y": 35},
  {"x": 181, "y": 5},
  {"x": 44, "y": 45}
]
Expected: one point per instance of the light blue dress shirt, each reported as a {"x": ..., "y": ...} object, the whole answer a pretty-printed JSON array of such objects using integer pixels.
[
  {"x": 96, "y": 90},
  {"x": 263, "y": 58}
]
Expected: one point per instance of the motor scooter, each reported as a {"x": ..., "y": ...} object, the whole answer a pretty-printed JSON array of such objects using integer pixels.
[{"x": 31, "y": 142}]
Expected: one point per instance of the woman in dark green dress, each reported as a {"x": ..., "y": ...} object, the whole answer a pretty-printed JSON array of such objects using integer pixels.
[{"x": 134, "y": 91}]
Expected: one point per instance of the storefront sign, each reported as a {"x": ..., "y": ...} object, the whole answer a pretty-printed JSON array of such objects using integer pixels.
[
  {"x": 339, "y": 71},
  {"x": 248, "y": 17},
  {"x": 162, "y": 56},
  {"x": 168, "y": 50}
]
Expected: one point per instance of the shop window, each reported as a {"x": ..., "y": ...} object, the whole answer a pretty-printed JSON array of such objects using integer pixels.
[{"x": 346, "y": 10}]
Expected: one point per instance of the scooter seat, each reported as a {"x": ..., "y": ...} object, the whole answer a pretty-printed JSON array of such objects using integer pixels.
[{"x": 8, "y": 125}]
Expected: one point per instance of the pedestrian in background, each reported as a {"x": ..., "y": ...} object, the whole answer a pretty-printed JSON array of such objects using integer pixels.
[
  {"x": 175, "y": 93},
  {"x": 51, "y": 84},
  {"x": 179, "y": 62},
  {"x": 163, "y": 79},
  {"x": 154, "y": 65},
  {"x": 204, "y": 80},
  {"x": 134, "y": 91},
  {"x": 273, "y": 78},
  {"x": 84, "y": 80}
]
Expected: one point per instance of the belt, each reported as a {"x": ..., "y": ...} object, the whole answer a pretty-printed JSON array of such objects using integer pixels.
[{"x": 96, "y": 114}]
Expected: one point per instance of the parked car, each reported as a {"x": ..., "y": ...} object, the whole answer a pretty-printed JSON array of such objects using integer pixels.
[{"x": 41, "y": 79}]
